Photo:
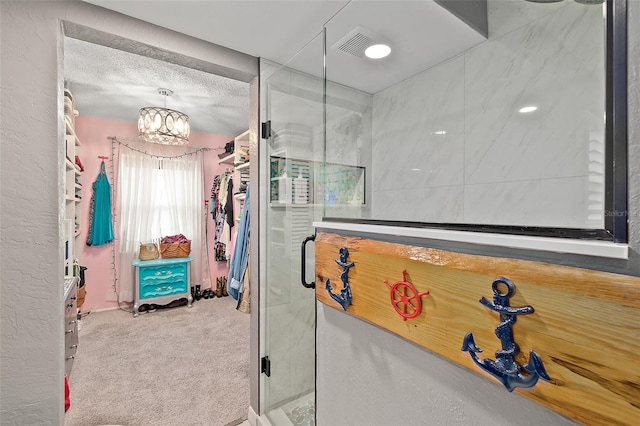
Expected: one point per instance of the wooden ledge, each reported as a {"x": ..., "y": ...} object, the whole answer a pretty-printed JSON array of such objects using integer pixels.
[{"x": 585, "y": 325}]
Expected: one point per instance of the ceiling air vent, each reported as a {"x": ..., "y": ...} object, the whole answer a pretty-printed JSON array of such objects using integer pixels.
[{"x": 356, "y": 42}]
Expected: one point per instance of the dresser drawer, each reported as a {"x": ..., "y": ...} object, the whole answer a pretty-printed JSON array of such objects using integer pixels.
[
  {"x": 70, "y": 344},
  {"x": 161, "y": 281},
  {"x": 164, "y": 280},
  {"x": 70, "y": 328}
]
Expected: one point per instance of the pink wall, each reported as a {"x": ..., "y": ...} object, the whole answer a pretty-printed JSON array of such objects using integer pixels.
[{"x": 93, "y": 133}]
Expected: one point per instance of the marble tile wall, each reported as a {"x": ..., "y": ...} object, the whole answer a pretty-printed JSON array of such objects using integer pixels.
[
  {"x": 349, "y": 135},
  {"x": 449, "y": 144},
  {"x": 418, "y": 147}
]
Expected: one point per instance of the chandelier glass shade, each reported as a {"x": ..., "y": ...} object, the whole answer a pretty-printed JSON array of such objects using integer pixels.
[{"x": 163, "y": 125}]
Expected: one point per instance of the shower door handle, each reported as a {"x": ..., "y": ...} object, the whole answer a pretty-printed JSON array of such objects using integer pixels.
[{"x": 302, "y": 264}]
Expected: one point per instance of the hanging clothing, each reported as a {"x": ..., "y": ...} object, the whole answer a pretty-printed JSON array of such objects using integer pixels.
[
  {"x": 240, "y": 253},
  {"x": 206, "y": 276},
  {"x": 222, "y": 196},
  {"x": 215, "y": 208},
  {"x": 244, "y": 304},
  {"x": 100, "y": 222},
  {"x": 215, "y": 191},
  {"x": 228, "y": 205}
]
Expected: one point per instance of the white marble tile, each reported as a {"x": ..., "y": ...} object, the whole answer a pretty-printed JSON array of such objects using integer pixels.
[
  {"x": 278, "y": 346},
  {"x": 556, "y": 64},
  {"x": 507, "y": 15},
  {"x": 277, "y": 290},
  {"x": 306, "y": 115},
  {"x": 348, "y": 124},
  {"x": 302, "y": 351},
  {"x": 503, "y": 203},
  {"x": 431, "y": 204},
  {"x": 302, "y": 379},
  {"x": 418, "y": 130},
  {"x": 565, "y": 203},
  {"x": 353, "y": 212},
  {"x": 278, "y": 99}
]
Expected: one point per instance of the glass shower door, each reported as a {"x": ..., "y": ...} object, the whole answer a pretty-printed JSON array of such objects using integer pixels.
[{"x": 291, "y": 158}]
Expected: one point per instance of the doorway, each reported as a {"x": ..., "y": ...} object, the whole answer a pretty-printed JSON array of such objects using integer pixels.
[{"x": 206, "y": 364}]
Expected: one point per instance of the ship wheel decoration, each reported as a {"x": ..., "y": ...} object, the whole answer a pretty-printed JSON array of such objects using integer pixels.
[{"x": 405, "y": 298}]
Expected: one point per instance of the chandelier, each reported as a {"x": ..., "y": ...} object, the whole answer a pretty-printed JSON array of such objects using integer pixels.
[{"x": 163, "y": 125}]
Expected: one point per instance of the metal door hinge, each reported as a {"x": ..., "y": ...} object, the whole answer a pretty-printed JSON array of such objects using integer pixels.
[
  {"x": 266, "y": 129},
  {"x": 266, "y": 366}
]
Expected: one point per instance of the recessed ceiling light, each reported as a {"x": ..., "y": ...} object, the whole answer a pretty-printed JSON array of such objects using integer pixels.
[
  {"x": 527, "y": 109},
  {"x": 377, "y": 51},
  {"x": 415, "y": 170},
  {"x": 440, "y": 132}
]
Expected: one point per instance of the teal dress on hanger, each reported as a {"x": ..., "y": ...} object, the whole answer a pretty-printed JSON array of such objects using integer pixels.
[{"x": 100, "y": 223}]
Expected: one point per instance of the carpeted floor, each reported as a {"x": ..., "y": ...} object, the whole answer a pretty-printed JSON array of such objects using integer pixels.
[{"x": 175, "y": 366}]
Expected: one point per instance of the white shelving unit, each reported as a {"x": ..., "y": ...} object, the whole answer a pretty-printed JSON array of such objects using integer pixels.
[
  {"x": 227, "y": 160},
  {"x": 72, "y": 188},
  {"x": 241, "y": 165},
  {"x": 72, "y": 231}
]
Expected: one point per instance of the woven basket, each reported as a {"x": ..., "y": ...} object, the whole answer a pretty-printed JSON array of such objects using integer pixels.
[
  {"x": 175, "y": 250},
  {"x": 148, "y": 251},
  {"x": 82, "y": 294}
]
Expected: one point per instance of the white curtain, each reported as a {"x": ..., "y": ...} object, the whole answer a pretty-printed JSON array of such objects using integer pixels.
[{"x": 157, "y": 197}]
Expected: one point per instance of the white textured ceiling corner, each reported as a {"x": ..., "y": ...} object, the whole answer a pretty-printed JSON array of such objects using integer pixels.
[{"x": 113, "y": 84}]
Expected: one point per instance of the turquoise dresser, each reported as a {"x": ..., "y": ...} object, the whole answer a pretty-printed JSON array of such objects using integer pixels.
[{"x": 161, "y": 281}]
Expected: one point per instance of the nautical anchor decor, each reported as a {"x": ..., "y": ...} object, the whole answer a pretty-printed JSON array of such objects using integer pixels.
[
  {"x": 345, "y": 296},
  {"x": 505, "y": 368},
  {"x": 405, "y": 298}
]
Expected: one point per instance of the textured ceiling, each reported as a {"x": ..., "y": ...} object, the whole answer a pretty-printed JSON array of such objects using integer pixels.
[{"x": 113, "y": 84}]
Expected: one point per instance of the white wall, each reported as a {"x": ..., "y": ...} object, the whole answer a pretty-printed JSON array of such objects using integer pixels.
[
  {"x": 367, "y": 376},
  {"x": 495, "y": 165},
  {"x": 32, "y": 338},
  {"x": 32, "y": 305}
]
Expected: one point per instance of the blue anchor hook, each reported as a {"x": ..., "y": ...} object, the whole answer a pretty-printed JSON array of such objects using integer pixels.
[
  {"x": 345, "y": 296},
  {"x": 505, "y": 368}
]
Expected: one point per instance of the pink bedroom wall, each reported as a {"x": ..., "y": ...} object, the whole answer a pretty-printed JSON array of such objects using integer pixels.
[{"x": 93, "y": 133}]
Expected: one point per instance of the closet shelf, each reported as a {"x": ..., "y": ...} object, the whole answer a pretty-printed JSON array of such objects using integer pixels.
[
  {"x": 227, "y": 160},
  {"x": 242, "y": 166},
  {"x": 70, "y": 130},
  {"x": 276, "y": 204}
]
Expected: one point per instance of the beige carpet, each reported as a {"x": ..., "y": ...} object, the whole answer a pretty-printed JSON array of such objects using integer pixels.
[{"x": 175, "y": 366}]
